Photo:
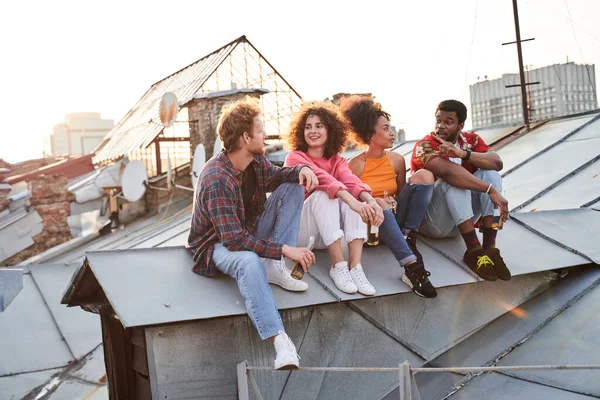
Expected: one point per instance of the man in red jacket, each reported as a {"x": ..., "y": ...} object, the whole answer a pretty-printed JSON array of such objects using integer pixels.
[{"x": 468, "y": 187}]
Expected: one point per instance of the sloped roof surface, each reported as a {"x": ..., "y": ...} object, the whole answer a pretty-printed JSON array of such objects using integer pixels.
[
  {"x": 142, "y": 123},
  {"x": 486, "y": 326}
]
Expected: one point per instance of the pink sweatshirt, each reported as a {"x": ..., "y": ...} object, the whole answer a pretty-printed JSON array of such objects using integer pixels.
[{"x": 334, "y": 173}]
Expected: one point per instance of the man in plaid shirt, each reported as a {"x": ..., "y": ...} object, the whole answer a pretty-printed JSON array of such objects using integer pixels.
[{"x": 237, "y": 231}]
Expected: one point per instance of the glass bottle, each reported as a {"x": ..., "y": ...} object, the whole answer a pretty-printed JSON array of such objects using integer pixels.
[
  {"x": 297, "y": 271},
  {"x": 497, "y": 221}
]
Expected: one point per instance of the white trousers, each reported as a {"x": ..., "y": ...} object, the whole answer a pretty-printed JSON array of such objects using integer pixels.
[{"x": 328, "y": 220}]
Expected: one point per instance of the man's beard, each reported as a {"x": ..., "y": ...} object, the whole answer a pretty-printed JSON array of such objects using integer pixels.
[
  {"x": 258, "y": 151},
  {"x": 452, "y": 138}
]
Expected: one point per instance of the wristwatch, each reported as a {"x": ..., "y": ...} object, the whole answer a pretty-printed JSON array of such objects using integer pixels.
[{"x": 466, "y": 158}]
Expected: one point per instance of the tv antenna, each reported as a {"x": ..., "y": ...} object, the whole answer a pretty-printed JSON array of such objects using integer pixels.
[{"x": 523, "y": 83}]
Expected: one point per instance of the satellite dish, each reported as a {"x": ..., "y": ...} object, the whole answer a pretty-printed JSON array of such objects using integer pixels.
[
  {"x": 199, "y": 160},
  {"x": 218, "y": 146},
  {"x": 169, "y": 107},
  {"x": 110, "y": 176},
  {"x": 134, "y": 180}
]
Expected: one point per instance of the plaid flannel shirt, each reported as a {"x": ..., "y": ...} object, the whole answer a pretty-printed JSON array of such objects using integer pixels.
[{"x": 219, "y": 214}]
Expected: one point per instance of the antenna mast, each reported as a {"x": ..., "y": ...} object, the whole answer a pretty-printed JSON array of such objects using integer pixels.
[{"x": 523, "y": 83}]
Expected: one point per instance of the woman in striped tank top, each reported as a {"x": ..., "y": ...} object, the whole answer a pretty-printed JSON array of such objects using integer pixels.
[{"x": 404, "y": 203}]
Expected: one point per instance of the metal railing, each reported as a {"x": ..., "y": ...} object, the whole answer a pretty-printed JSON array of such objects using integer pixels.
[{"x": 407, "y": 385}]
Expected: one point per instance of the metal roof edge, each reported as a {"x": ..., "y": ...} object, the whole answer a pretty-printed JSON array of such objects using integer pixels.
[
  {"x": 240, "y": 39},
  {"x": 548, "y": 238},
  {"x": 209, "y": 95}
]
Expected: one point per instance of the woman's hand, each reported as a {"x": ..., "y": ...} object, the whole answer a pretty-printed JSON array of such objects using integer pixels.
[
  {"x": 366, "y": 212},
  {"x": 377, "y": 219}
]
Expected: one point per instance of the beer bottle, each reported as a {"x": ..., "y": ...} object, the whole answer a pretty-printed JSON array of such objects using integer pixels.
[
  {"x": 497, "y": 221},
  {"x": 297, "y": 271},
  {"x": 372, "y": 235}
]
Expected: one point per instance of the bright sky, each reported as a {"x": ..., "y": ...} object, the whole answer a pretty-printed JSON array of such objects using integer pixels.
[{"x": 60, "y": 57}]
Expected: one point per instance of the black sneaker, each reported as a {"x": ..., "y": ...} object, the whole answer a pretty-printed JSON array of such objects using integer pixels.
[
  {"x": 480, "y": 263},
  {"x": 499, "y": 266},
  {"x": 411, "y": 240},
  {"x": 416, "y": 277}
]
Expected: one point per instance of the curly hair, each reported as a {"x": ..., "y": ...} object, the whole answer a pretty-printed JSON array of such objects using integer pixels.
[
  {"x": 362, "y": 113},
  {"x": 328, "y": 113},
  {"x": 236, "y": 118}
]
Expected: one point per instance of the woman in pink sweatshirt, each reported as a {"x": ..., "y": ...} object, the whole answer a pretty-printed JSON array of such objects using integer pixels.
[{"x": 341, "y": 205}]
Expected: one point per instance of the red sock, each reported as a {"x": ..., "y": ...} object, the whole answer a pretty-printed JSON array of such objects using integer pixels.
[
  {"x": 471, "y": 240},
  {"x": 489, "y": 237}
]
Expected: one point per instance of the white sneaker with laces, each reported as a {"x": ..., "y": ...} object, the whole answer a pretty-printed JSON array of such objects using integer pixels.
[
  {"x": 341, "y": 277},
  {"x": 279, "y": 274},
  {"x": 360, "y": 280},
  {"x": 287, "y": 357}
]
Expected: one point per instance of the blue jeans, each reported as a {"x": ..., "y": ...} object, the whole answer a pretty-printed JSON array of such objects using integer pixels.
[
  {"x": 413, "y": 202},
  {"x": 277, "y": 224},
  {"x": 452, "y": 206}
]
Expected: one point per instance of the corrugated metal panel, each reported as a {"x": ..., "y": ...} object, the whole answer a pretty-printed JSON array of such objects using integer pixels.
[
  {"x": 534, "y": 177},
  {"x": 495, "y": 386},
  {"x": 142, "y": 123},
  {"x": 578, "y": 229},
  {"x": 30, "y": 338},
  {"x": 168, "y": 279},
  {"x": 81, "y": 329},
  {"x": 527, "y": 145},
  {"x": 570, "y": 338}
]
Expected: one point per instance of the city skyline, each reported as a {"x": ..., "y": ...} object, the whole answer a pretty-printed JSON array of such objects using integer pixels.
[{"x": 70, "y": 57}]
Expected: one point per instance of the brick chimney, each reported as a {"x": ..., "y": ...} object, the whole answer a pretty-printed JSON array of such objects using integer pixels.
[
  {"x": 204, "y": 113},
  {"x": 49, "y": 196}
]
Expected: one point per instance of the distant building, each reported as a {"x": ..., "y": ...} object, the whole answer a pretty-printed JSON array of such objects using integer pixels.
[
  {"x": 564, "y": 89},
  {"x": 79, "y": 133}
]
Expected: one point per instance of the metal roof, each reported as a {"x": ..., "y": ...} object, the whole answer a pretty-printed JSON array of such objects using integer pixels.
[
  {"x": 465, "y": 325},
  {"x": 140, "y": 126},
  {"x": 142, "y": 123}
]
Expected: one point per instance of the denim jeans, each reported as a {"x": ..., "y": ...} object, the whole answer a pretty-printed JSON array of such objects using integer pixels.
[
  {"x": 279, "y": 224},
  {"x": 452, "y": 206},
  {"x": 413, "y": 202}
]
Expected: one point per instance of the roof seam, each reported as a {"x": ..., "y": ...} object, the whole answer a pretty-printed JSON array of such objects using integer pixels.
[
  {"x": 548, "y": 238},
  {"x": 494, "y": 361},
  {"x": 557, "y": 183},
  {"x": 416, "y": 350},
  {"x": 62, "y": 336},
  {"x": 559, "y": 141},
  {"x": 546, "y": 384},
  {"x": 589, "y": 203}
]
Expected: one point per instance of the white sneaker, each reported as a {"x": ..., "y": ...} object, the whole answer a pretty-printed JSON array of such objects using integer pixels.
[
  {"x": 287, "y": 357},
  {"x": 360, "y": 280},
  {"x": 341, "y": 277},
  {"x": 279, "y": 274}
]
